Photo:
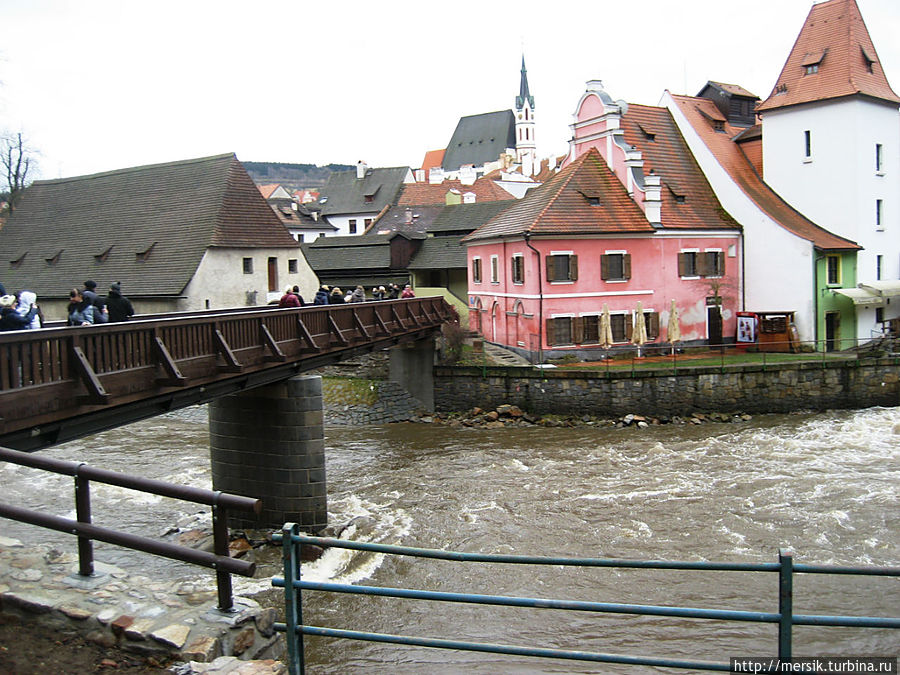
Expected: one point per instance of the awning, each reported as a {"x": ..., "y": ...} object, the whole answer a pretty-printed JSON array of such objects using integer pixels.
[
  {"x": 885, "y": 288},
  {"x": 860, "y": 296}
]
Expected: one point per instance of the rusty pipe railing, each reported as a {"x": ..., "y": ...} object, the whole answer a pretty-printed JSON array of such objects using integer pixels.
[{"x": 86, "y": 532}]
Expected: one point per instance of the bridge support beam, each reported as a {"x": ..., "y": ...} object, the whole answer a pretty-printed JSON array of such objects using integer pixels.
[
  {"x": 412, "y": 365},
  {"x": 269, "y": 443}
]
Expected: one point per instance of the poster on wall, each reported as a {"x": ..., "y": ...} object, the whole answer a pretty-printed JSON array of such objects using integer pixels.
[{"x": 746, "y": 327}]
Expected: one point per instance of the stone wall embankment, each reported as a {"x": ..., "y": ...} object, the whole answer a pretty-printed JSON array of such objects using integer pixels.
[{"x": 753, "y": 389}]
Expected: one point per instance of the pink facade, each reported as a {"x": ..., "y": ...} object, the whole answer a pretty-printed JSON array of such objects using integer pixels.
[
  {"x": 541, "y": 273},
  {"x": 511, "y": 313}
]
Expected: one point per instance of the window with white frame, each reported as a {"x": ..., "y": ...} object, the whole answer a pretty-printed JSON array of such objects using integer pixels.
[
  {"x": 476, "y": 270},
  {"x": 615, "y": 266},
  {"x": 879, "y": 158},
  {"x": 495, "y": 269},
  {"x": 879, "y": 214},
  {"x": 517, "y": 267},
  {"x": 807, "y": 144},
  {"x": 562, "y": 266},
  {"x": 560, "y": 330}
]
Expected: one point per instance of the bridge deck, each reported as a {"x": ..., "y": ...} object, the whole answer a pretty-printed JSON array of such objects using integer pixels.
[{"x": 57, "y": 384}]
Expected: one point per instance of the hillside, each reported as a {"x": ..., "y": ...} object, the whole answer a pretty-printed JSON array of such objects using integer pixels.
[{"x": 293, "y": 176}]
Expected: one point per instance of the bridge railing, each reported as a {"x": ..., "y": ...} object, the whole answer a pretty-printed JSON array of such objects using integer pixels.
[
  {"x": 87, "y": 533},
  {"x": 784, "y": 619},
  {"x": 49, "y": 373}
]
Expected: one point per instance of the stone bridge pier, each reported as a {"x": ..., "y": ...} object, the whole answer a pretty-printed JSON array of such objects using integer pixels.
[{"x": 269, "y": 442}]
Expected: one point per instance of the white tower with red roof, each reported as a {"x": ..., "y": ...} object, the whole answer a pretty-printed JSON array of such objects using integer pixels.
[{"x": 831, "y": 145}]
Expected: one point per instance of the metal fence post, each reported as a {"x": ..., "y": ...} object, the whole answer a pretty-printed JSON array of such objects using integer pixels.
[
  {"x": 293, "y": 603},
  {"x": 83, "y": 515},
  {"x": 785, "y": 602},
  {"x": 220, "y": 547}
]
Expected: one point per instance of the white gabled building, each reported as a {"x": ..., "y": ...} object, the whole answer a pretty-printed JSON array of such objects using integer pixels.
[{"x": 831, "y": 147}]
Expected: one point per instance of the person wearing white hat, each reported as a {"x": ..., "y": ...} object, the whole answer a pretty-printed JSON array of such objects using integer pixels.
[{"x": 10, "y": 319}]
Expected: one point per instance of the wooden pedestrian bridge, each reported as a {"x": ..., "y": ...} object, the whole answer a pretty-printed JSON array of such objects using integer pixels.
[{"x": 58, "y": 384}]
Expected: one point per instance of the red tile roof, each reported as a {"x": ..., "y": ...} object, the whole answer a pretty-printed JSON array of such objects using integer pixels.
[
  {"x": 731, "y": 157},
  {"x": 433, "y": 158},
  {"x": 688, "y": 201},
  {"x": 424, "y": 194},
  {"x": 835, "y": 38},
  {"x": 562, "y": 205},
  {"x": 267, "y": 190}
]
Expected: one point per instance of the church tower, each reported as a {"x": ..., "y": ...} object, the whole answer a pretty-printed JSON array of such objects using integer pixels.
[{"x": 526, "y": 149}]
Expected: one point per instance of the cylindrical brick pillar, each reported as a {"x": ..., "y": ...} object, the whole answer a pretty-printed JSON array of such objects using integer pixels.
[{"x": 269, "y": 443}]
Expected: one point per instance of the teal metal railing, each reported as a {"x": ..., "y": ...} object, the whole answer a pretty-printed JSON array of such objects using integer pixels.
[{"x": 784, "y": 618}]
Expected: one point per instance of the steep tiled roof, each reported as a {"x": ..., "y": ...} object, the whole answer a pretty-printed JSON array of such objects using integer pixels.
[
  {"x": 345, "y": 193},
  {"x": 484, "y": 189},
  {"x": 688, "y": 202},
  {"x": 735, "y": 162},
  {"x": 468, "y": 217},
  {"x": 563, "y": 205},
  {"x": 439, "y": 253},
  {"x": 835, "y": 39},
  {"x": 479, "y": 139},
  {"x": 147, "y": 226}
]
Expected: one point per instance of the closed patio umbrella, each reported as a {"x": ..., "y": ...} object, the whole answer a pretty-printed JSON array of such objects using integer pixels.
[
  {"x": 639, "y": 333},
  {"x": 674, "y": 330},
  {"x": 606, "y": 338}
]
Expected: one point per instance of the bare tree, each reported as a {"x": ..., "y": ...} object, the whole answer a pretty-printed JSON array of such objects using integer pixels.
[{"x": 17, "y": 160}]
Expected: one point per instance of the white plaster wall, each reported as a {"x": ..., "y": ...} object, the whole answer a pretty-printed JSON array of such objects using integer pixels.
[
  {"x": 838, "y": 186},
  {"x": 220, "y": 279},
  {"x": 778, "y": 265},
  {"x": 342, "y": 223}
]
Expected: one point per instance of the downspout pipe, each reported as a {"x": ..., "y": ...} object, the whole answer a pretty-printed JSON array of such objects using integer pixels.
[{"x": 527, "y": 237}]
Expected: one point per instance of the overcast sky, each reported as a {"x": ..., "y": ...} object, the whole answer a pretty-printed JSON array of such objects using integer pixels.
[{"x": 98, "y": 85}]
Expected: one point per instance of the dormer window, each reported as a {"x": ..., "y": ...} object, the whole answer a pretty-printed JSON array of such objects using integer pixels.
[
  {"x": 811, "y": 62},
  {"x": 867, "y": 58},
  {"x": 101, "y": 257},
  {"x": 15, "y": 264},
  {"x": 142, "y": 256},
  {"x": 54, "y": 259}
]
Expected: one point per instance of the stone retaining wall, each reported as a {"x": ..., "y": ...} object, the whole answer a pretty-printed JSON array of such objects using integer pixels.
[
  {"x": 354, "y": 402},
  {"x": 750, "y": 388}
]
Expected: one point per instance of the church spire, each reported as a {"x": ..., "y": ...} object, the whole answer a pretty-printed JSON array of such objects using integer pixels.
[{"x": 524, "y": 95}]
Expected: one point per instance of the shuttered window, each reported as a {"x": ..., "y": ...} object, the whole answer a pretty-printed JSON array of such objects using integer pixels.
[
  {"x": 517, "y": 266},
  {"x": 560, "y": 331},
  {"x": 707, "y": 264},
  {"x": 562, "y": 267},
  {"x": 615, "y": 266},
  {"x": 590, "y": 329},
  {"x": 621, "y": 327},
  {"x": 476, "y": 270}
]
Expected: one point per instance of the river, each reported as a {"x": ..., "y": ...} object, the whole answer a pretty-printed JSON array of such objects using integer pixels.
[{"x": 822, "y": 484}]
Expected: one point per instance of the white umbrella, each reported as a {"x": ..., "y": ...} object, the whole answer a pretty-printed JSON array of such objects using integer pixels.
[
  {"x": 606, "y": 338},
  {"x": 639, "y": 333},
  {"x": 674, "y": 330}
]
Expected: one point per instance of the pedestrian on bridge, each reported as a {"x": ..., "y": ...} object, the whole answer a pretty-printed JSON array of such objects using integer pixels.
[
  {"x": 119, "y": 307},
  {"x": 407, "y": 292},
  {"x": 10, "y": 319},
  {"x": 289, "y": 299},
  {"x": 336, "y": 297},
  {"x": 321, "y": 296},
  {"x": 296, "y": 291},
  {"x": 80, "y": 310},
  {"x": 358, "y": 295}
]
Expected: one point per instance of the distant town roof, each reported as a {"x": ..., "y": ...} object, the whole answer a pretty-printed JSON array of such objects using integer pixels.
[{"x": 479, "y": 139}]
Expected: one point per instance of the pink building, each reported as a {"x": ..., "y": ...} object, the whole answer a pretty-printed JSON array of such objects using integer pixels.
[{"x": 629, "y": 219}]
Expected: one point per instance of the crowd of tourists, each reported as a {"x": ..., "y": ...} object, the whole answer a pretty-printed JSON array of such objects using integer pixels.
[
  {"x": 335, "y": 296},
  {"x": 20, "y": 310}
]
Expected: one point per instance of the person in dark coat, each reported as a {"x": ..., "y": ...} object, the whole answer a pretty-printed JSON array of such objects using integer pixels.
[
  {"x": 119, "y": 307},
  {"x": 393, "y": 292},
  {"x": 321, "y": 296},
  {"x": 336, "y": 297},
  {"x": 10, "y": 319},
  {"x": 89, "y": 292},
  {"x": 80, "y": 310},
  {"x": 296, "y": 291}
]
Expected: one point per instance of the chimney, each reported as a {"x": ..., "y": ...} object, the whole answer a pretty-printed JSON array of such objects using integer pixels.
[
  {"x": 653, "y": 199},
  {"x": 435, "y": 176},
  {"x": 468, "y": 198},
  {"x": 361, "y": 169},
  {"x": 409, "y": 216},
  {"x": 467, "y": 174}
]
